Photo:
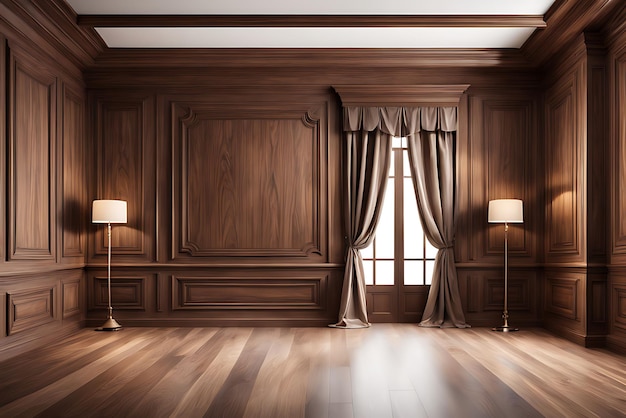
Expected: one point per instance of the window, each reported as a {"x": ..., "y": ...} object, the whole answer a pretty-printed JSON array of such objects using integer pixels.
[{"x": 400, "y": 252}]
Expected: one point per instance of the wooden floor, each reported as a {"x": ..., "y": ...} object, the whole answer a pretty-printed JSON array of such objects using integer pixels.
[{"x": 389, "y": 370}]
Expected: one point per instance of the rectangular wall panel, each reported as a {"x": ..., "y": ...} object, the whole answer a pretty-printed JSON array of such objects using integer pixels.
[
  {"x": 71, "y": 298},
  {"x": 562, "y": 297},
  {"x": 502, "y": 164},
  {"x": 247, "y": 292},
  {"x": 565, "y": 169},
  {"x": 619, "y": 307},
  {"x": 32, "y": 128},
  {"x": 619, "y": 158},
  {"x": 126, "y": 292},
  {"x": 74, "y": 178},
  {"x": 29, "y": 309},
  {"x": 126, "y": 170},
  {"x": 248, "y": 186}
]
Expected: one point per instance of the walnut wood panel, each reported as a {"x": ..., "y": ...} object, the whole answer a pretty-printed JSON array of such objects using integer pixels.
[
  {"x": 501, "y": 165},
  {"x": 619, "y": 301},
  {"x": 597, "y": 302},
  {"x": 32, "y": 141},
  {"x": 3, "y": 147},
  {"x": 618, "y": 232},
  {"x": 260, "y": 292},
  {"x": 563, "y": 295},
  {"x": 565, "y": 167},
  {"x": 73, "y": 171},
  {"x": 127, "y": 292},
  {"x": 482, "y": 291},
  {"x": 248, "y": 186},
  {"x": 31, "y": 308},
  {"x": 518, "y": 294},
  {"x": 617, "y": 310},
  {"x": 598, "y": 179},
  {"x": 126, "y": 168},
  {"x": 72, "y": 298}
]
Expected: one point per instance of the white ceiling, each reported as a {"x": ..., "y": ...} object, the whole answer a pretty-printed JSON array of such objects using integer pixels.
[{"x": 406, "y": 36}]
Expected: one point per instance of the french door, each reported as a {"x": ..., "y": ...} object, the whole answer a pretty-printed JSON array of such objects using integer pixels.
[{"x": 399, "y": 263}]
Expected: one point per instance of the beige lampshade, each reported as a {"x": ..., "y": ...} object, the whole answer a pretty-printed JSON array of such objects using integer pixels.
[
  {"x": 109, "y": 211},
  {"x": 506, "y": 210}
]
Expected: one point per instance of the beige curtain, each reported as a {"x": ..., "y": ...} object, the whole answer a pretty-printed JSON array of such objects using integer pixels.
[
  {"x": 367, "y": 155},
  {"x": 432, "y": 161}
]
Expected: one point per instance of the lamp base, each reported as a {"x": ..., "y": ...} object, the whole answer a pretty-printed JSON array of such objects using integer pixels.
[
  {"x": 110, "y": 325},
  {"x": 505, "y": 328}
]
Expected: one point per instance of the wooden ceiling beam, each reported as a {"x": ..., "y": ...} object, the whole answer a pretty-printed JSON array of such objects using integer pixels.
[{"x": 535, "y": 21}]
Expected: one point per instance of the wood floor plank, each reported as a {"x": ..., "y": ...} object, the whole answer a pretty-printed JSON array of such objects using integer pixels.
[
  {"x": 92, "y": 394},
  {"x": 318, "y": 386},
  {"x": 268, "y": 382},
  {"x": 232, "y": 398},
  {"x": 40, "y": 399},
  {"x": 201, "y": 393},
  {"x": 388, "y": 370}
]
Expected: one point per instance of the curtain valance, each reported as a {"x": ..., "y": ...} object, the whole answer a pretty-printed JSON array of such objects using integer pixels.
[{"x": 400, "y": 121}]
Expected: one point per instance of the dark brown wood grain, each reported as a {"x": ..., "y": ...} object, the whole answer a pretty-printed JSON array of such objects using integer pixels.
[
  {"x": 319, "y": 20},
  {"x": 74, "y": 175},
  {"x": 32, "y": 140}
]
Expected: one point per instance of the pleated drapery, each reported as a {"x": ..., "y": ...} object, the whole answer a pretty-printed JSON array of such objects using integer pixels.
[
  {"x": 433, "y": 170},
  {"x": 368, "y": 132}
]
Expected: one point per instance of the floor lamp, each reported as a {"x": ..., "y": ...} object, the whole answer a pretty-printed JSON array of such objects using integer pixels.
[
  {"x": 506, "y": 211},
  {"x": 109, "y": 212}
]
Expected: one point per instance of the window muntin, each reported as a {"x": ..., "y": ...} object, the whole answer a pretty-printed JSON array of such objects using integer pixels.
[{"x": 400, "y": 252}]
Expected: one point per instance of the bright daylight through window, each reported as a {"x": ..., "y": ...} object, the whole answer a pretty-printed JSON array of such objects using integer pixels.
[{"x": 400, "y": 253}]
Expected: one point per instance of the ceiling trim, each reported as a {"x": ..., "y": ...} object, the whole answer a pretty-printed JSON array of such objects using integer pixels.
[
  {"x": 283, "y": 21},
  {"x": 311, "y": 58}
]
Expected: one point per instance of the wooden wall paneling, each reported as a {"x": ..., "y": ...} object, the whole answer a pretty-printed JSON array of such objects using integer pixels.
[
  {"x": 616, "y": 34},
  {"x": 39, "y": 308},
  {"x": 597, "y": 303},
  {"x": 483, "y": 296},
  {"x": 32, "y": 157},
  {"x": 251, "y": 292},
  {"x": 74, "y": 206},
  {"x": 126, "y": 169},
  {"x": 566, "y": 169},
  {"x": 617, "y": 304},
  {"x": 127, "y": 292},
  {"x": 3, "y": 146},
  {"x": 133, "y": 294},
  {"x": 565, "y": 302},
  {"x": 31, "y": 308},
  {"x": 249, "y": 182},
  {"x": 72, "y": 295},
  {"x": 502, "y": 165},
  {"x": 219, "y": 296},
  {"x": 597, "y": 150},
  {"x": 618, "y": 162}
]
